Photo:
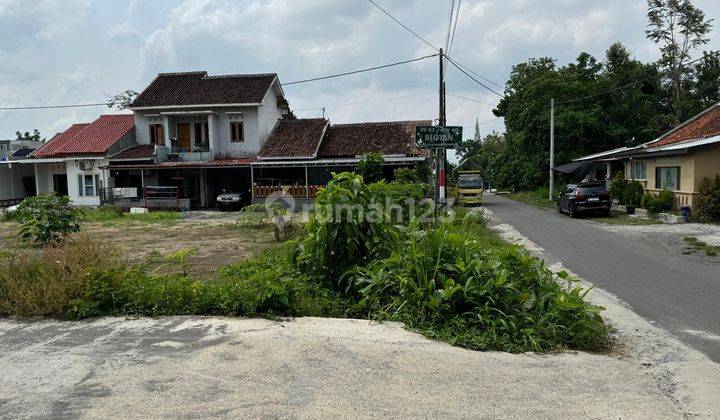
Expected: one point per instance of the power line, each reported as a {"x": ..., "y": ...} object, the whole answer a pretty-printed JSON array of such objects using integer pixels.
[
  {"x": 452, "y": 38},
  {"x": 407, "y": 28},
  {"x": 314, "y": 79},
  {"x": 470, "y": 99},
  {"x": 472, "y": 78},
  {"x": 15, "y": 108}
]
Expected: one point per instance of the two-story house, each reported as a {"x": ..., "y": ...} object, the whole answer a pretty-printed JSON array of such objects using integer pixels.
[{"x": 199, "y": 134}]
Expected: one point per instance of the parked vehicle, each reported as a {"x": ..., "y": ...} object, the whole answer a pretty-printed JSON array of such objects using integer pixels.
[
  {"x": 578, "y": 199},
  {"x": 469, "y": 187},
  {"x": 233, "y": 200}
]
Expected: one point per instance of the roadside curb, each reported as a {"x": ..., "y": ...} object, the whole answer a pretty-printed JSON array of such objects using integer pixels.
[{"x": 683, "y": 374}]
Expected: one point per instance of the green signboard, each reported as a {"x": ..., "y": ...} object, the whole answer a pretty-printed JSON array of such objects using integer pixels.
[{"x": 434, "y": 137}]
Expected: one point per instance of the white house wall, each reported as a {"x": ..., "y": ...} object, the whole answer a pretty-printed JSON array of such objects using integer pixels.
[
  {"x": 11, "y": 185},
  {"x": 73, "y": 170},
  {"x": 268, "y": 115},
  {"x": 44, "y": 176}
]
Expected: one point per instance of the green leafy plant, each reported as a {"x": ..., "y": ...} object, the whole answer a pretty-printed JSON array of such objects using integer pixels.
[
  {"x": 370, "y": 167},
  {"x": 406, "y": 176},
  {"x": 348, "y": 228},
  {"x": 47, "y": 219},
  {"x": 618, "y": 186},
  {"x": 632, "y": 194},
  {"x": 707, "y": 204},
  {"x": 656, "y": 203}
]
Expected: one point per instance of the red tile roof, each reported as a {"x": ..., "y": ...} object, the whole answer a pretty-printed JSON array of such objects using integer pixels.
[
  {"x": 297, "y": 138},
  {"x": 706, "y": 124},
  {"x": 387, "y": 138},
  {"x": 197, "y": 88},
  {"x": 94, "y": 138},
  {"x": 58, "y": 140}
]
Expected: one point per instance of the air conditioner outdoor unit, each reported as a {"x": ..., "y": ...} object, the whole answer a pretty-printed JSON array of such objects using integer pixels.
[{"x": 86, "y": 165}]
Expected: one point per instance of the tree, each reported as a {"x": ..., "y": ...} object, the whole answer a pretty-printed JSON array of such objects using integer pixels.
[
  {"x": 678, "y": 28},
  {"x": 26, "y": 136},
  {"x": 122, "y": 100},
  {"x": 370, "y": 167},
  {"x": 705, "y": 90}
]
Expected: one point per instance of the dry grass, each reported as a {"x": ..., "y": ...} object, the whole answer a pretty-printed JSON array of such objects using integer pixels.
[{"x": 43, "y": 282}]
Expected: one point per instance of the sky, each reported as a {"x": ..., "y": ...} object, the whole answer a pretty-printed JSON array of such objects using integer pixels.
[{"x": 55, "y": 52}]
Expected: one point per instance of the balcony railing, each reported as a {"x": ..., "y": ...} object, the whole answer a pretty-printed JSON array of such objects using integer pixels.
[{"x": 183, "y": 154}]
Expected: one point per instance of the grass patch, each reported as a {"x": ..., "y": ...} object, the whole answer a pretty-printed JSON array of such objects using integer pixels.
[
  {"x": 617, "y": 218},
  {"x": 696, "y": 245},
  {"x": 110, "y": 216},
  {"x": 537, "y": 198}
]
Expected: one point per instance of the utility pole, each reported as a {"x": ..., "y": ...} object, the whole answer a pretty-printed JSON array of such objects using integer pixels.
[
  {"x": 552, "y": 148},
  {"x": 442, "y": 156}
]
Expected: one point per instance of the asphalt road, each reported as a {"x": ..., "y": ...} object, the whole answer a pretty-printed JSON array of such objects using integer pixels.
[{"x": 675, "y": 293}]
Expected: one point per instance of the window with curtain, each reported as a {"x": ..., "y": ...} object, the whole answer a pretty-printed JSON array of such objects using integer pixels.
[
  {"x": 638, "y": 169},
  {"x": 89, "y": 185},
  {"x": 667, "y": 178}
]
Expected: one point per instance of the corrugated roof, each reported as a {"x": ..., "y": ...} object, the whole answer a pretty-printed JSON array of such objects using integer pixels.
[
  {"x": 197, "y": 88},
  {"x": 294, "y": 138}
]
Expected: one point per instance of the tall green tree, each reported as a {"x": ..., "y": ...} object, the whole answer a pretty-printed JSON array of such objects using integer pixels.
[
  {"x": 27, "y": 136},
  {"x": 679, "y": 28},
  {"x": 705, "y": 90}
]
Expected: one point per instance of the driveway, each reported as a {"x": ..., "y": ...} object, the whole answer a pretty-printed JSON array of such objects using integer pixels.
[
  {"x": 676, "y": 293},
  {"x": 196, "y": 367}
]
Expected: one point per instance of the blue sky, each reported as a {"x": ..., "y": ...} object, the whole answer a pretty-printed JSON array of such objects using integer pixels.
[{"x": 79, "y": 51}]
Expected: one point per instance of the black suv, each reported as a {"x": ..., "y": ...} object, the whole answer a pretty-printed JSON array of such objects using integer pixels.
[{"x": 582, "y": 198}]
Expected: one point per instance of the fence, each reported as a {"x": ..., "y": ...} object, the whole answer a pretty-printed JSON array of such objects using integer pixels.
[{"x": 296, "y": 191}]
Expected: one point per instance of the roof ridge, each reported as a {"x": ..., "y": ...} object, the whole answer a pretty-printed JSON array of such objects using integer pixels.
[
  {"x": 223, "y": 76},
  {"x": 383, "y": 122},
  {"x": 681, "y": 125},
  {"x": 181, "y": 73}
]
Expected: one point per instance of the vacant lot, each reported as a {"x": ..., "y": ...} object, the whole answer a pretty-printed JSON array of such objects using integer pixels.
[{"x": 216, "y": 238}]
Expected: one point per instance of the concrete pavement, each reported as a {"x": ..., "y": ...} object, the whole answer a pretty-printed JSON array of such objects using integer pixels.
[
  {"x": 309, "y": 367},
  {"x": 676, "y": 293}
]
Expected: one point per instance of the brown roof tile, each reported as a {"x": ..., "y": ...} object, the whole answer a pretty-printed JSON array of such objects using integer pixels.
[
  {"x": 297, "y": 138},
  {"x": 197, "y": 88},
  {"x": 387, "y": 138},
  {"x": 707, "y": 124}
]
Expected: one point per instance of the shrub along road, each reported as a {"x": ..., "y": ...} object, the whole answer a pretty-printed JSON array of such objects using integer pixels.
[{"x": 676, "y": 293}]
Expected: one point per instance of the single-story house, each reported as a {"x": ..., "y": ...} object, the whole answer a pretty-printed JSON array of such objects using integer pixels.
[
  {"x": 70, "y": 162},
  {"x": 678, "y": 160}
]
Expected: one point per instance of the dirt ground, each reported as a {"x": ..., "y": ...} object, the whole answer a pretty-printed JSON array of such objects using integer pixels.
[{"x": 216, "y": 238}]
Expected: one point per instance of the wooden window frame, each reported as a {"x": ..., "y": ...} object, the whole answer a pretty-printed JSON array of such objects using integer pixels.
[
  {"x": 237, "y": 132},
  {"x": 157, "y": 134}
]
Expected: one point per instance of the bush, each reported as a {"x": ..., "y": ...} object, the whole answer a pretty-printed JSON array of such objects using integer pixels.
[
  {"x": 46, "y": 219},
  {"x": 450, "y": 286},
  {"x": 406, "y": 176},
  {"x": 370, "y": 167},
  {"x": 349, "y": 227},
  {"x": 103, "y": 213},
  {"x": 617, "y": 187},
  {"x": 45, "y": 283},
  {"x": 633, "y": 193},
  {"x": 656, "y": 203},
  {"x": 707, "y": 204}
]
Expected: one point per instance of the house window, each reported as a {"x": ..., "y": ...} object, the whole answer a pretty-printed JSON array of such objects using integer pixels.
[
  {"x": 156, "y": 134},
  {"x": 638, "y": 169},
  {"x": 236, "y": 132},
  {"x": 88, "y": 185},
  {"x": 201, "y": 135},
  {"x": 667, "y": 178}
]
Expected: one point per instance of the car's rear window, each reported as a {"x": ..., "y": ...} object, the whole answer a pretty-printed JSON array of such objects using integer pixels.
[{"x": 592, "y": 189}]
